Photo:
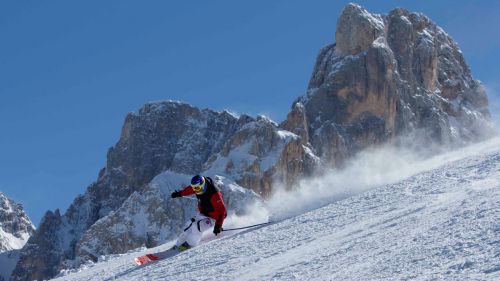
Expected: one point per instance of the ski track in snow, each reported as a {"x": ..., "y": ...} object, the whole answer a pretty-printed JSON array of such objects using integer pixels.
[{"x": 439, "y": 224}]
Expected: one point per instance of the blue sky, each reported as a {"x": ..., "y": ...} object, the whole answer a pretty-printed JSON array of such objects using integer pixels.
[{"x": 70, "y": 72}]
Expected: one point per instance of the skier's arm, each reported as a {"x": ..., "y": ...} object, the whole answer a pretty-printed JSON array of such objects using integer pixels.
[
  {"x": 219, "y": 213},
  {"x": 188, "y": 190}
]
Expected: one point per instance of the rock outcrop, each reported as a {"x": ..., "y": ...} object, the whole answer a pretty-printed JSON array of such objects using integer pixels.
[
  {"x": 386, "y": 76},
  {"x": 15, "y": 226},
  {"x": 260, "y": 154},
  {"x": 15, "y": 230}
]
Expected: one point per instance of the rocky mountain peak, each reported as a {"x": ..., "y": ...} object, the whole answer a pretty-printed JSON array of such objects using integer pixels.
[
  {"x": 388, "y": 76},
  {"x": 357, "y": 29},
  {"x": 15, "y": 226}
]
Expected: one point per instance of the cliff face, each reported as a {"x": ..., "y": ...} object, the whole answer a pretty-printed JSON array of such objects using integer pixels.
[
  {"x": 15, "y": 230},
  {"x": 385, "y": 77},
  {"x": 15, "y": 226},
  {"x": 388, "y": 76},
  {"x": 260, "y": 154}
]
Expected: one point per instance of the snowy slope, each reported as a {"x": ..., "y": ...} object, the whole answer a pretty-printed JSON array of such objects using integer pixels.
[{"x": 440, "y": 223}]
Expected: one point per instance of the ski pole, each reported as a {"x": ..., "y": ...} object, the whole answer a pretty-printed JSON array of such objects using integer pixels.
[
  {"x": 191, "y": 198},
  {"x": 246, "y": 226}
]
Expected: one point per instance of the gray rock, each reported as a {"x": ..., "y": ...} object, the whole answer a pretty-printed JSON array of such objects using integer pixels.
[
  {"x": 15, "y": 230},
  {"x": 261, "y": 154},
  {"x": 387, "y": 77},
  {"x": 15, "y": 226},
  {"x": 357, "y": 29}
]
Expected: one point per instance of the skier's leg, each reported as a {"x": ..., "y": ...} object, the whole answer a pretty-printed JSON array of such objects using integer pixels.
[
  {"x": 201, "y": 224},
  {"x": 186, "y": 229}
]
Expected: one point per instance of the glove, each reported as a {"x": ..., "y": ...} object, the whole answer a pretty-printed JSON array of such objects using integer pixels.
[
  {"x": 176, "y": 194},
  {"x": 217, "y": 229}
]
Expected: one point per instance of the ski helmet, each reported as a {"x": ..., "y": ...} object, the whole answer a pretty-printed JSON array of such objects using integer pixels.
[{"x": 198, "y": 184}]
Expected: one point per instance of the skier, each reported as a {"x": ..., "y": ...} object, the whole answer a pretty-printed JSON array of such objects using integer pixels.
[{"x": 211, "y": 207}]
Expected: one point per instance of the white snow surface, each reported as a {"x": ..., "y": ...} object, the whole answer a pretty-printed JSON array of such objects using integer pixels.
[
  {"x": 11, "y": 242},
  {"x": 437, "y": 219}
]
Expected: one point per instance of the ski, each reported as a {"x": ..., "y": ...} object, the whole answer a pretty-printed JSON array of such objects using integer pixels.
[
  {"x": 154, "y": 257},
  {"x": 142, "y": 260},
  {"x": 149, "y": 258}
]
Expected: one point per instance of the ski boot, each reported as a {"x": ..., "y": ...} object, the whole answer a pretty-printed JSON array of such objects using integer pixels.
[{"x": 184, "y": 246}]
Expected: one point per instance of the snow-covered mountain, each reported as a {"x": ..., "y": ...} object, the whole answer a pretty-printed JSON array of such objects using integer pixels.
[
  {"x": 15, "y": 226},
  {"x": 386, "y": 77},
  {"x": 15, "y": 230},
  {"x": 440, "y": 221}
]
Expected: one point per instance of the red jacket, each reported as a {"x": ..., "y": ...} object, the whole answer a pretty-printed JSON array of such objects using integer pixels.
[{"x": 210, "y": 203}]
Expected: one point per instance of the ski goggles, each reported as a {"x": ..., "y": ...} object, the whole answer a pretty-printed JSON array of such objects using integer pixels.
[{"x": 199, "y": 188}]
